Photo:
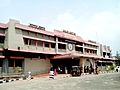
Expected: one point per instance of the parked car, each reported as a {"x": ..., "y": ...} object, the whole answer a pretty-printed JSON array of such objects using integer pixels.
[
  {"x": 75, "y": 71},
  {"x": 117, "y": 68}
]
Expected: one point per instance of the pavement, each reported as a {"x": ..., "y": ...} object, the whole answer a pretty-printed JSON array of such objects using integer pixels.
[{"x": 106, "y": 81}]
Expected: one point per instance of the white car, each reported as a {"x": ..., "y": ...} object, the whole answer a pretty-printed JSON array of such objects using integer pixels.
[{"x": 117, "y": 68}]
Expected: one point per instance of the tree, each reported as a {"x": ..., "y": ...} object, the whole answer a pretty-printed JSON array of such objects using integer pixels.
[{"x": 118, "y": 57}]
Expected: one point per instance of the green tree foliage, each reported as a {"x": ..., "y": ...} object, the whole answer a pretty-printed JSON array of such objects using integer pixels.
[{"x": 118, "y": 57}]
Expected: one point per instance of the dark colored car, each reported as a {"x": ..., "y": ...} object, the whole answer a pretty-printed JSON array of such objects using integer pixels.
[{"x": 75, "y": 71}]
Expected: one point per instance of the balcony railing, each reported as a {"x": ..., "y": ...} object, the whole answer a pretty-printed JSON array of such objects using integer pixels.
[
  {"x": 39, "y": 48},
  {"x": 61, "y": 50},
  {"x": 79, "y": 52},
  {"x": 90, "y": 53},
  {"x": 94, "y": 48}
]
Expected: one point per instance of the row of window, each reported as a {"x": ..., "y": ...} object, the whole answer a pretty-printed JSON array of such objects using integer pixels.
[
  {"x": 38, "y": 43},
  {"x": 92, "y": 46},
  {"x": 106, "y": 54},
  {"x": 12, "y": 63},
  {"x": 69, "y": 41},
  {"x": 90, "y": 51},
  {"x": 79, "y": 49},
  {"x": 52, "y": 45},
  {"x": 37, "y": 35},
  {"x": 42, "y": 36}
]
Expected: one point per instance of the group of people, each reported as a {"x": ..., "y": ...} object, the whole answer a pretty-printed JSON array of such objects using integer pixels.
[
  {"x": 87, "y": 70},
  {"x": 54, "y": 71},
  {"x": 90, "y": 69}
]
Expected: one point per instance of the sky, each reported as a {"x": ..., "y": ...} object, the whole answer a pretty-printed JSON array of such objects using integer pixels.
[{"x": 97, "y": 20}]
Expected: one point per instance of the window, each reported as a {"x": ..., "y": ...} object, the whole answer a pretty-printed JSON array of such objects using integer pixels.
[
  {"x": 25, "y": 41},
  {"x": 104, "y": 54},
  {"x": 18, "y": 63},
  {"x": 2, "y": 38},
  {"x": 40, "y": 36},
  {"x": 26, "y": 33},
  {"x": 61, "y": 46},
  {"x": 87, "y": 51},
  {"x": 2, "y": 31},
  {"x": 52, "y": 38},
  {"x": 1, "y": 53},
  {"x": 46, "y": 44},
  {"x": 52, "y": 45},
  {"x": 32, "y": 34},
  {"x": 1, "y": 62},
  {"x": 32, "y": 42},
  {"x": 46, "y": 37},
  {"x": 40, "y": 43},
  {"x": 11, "y": 63}
]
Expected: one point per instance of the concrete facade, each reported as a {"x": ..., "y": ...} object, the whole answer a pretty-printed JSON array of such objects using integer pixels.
[
  {"x": 32, "y": 48},
  {"x": 36, "y": 66}
]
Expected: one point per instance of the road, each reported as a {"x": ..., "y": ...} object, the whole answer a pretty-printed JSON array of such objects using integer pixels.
[{"x": 109, "y": 81}]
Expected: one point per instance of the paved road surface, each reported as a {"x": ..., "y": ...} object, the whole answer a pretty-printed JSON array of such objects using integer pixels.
[{"x": 109, "y": 81}]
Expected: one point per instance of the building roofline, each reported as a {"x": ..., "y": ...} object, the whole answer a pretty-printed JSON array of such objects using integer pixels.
[
  {"x": 4, "y": 26},
  {"x": 62, "y": 34},
  {"x": 32, "y": 51},
  {"x": 25, "y": 27}
]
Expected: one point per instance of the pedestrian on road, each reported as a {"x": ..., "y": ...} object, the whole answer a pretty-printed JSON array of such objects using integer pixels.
[
  {"x": 97, "y": 70},
  {"x": 87, "y": 69},
  {"x": 51, "y": 74}
]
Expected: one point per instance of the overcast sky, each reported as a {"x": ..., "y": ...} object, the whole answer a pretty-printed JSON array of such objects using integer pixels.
[{"x": 97, "y": 20}]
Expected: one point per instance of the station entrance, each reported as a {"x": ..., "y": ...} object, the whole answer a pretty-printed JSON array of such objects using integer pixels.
[{"x": 63, "y": 66}]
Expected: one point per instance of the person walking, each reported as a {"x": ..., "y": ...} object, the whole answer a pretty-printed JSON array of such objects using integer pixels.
[
  {"x": 51, "y": 73},
  {"x": 97, "y": 70},
  {"x": 87, "y": 69}
]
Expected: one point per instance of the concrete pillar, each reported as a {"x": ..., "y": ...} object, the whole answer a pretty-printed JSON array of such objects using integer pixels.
[
  {"x": 56, "y": 46},
  {"x": 83, "y": 48},
  {"x": 66, "y": 71},
  {"x": 82, "y": 63},
  {"x": 94, "y": 64},
  {"x": 5, "y": 66},
  {"x": 23, "y": 64}
]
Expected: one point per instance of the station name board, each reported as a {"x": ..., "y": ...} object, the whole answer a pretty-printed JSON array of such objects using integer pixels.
[
  {"x": 92, "y": 41},
  {"x": 36, "y": 27},
  {"x": 66, "y": 31}
]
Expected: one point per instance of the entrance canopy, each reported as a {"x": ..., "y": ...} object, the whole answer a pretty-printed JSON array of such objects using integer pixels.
[{"x": 76, "y": 55}]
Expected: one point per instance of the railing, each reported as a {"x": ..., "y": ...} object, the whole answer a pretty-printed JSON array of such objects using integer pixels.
[
  {"x": 46, "y": 49},
  {"x": 95, "y": 48},
  {"x": 79, "y": 52},
  {"x": 52, "y": 49},
  {"x": 61, "y": 50},
  {"x": 17, "y": 70},
  {"x": 39, "y": 48},
  {"x": 90, "y": 53},
  {"x": 49, "y": 49}
]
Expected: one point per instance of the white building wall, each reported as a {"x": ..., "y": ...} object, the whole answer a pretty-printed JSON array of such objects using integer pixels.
[{"x": 36, "y": 65}]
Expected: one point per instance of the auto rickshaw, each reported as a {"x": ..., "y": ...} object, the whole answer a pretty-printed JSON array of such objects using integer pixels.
[{"x": 75, "y": 71}]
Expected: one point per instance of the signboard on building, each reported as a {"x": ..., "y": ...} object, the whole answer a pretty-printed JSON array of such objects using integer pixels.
[
  {"x": 70, "y": 46},
  {"x": 36, "y": 27}
]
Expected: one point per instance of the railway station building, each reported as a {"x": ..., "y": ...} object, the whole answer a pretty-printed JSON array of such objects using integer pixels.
[{"x": 25, "y": 48}]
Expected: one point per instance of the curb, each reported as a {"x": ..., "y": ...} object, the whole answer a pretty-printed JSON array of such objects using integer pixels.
[{"x": 11, "y": 80}]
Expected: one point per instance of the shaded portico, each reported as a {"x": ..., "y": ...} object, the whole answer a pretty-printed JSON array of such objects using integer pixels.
[{"x": 72, "y": 59}]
